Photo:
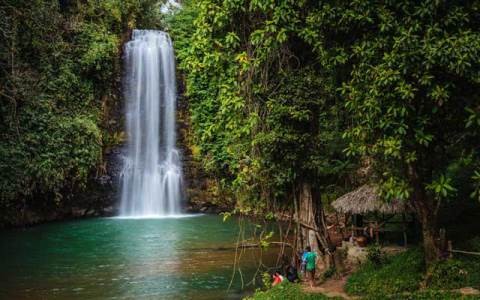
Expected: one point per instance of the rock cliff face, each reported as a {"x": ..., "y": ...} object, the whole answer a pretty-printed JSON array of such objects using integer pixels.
[
  {"x": 100, "y": 196},
  {"x": 201, "y": 193}
]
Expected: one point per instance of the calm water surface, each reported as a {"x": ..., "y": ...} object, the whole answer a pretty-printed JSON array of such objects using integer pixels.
[{"x": 183, "y": 258}]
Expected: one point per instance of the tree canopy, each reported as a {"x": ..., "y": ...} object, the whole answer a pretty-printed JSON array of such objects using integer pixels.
[{"x": 283, "y": 92}]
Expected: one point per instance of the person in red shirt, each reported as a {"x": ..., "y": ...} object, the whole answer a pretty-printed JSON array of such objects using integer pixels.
[{"x": 277, "y": 278}]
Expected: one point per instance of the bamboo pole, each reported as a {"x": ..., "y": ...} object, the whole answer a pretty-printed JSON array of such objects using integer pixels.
[{"x": 464, "y": 252}]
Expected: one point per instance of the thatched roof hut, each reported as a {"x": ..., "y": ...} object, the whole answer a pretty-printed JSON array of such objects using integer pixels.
[{"x": 366, "y": 199}]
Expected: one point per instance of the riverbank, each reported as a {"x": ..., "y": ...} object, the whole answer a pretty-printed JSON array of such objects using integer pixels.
[
  {"x": 394, "y": 277},
  {"x": 295, "y": 292}
]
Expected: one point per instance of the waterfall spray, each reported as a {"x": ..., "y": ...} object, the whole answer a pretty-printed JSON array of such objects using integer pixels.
[{"x": 152, "y": 174}]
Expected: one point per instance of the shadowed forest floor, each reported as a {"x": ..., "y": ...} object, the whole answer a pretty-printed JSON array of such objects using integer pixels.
[{"x": 330, "y": 288}]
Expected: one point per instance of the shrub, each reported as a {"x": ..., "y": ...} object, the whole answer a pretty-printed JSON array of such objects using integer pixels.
[
  {"x": 422, "y": 295},
  {"x": 267, "y": 279},
  {"x": 400, "y": 273},
  {"x": 449, "y": 274},
  {"x": 471, "y": 263},
  {"x": 329, "y": 273},
  {"x": 474, "y": 244},
  {"x": 375, "y": 254},
  {"x": 286, "y": 291}
]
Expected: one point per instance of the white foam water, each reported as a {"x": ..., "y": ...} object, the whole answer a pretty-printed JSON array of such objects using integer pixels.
[{"x": 152, "y": 173}]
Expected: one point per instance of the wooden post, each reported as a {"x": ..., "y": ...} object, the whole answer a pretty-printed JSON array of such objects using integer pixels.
[
  {"x": 443, "y": 239},
  {"x": 353, "y": 224},
  {"x": 450, "y": 248}
]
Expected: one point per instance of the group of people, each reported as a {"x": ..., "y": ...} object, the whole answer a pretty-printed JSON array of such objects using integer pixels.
[{"x": 307, "y": 269}]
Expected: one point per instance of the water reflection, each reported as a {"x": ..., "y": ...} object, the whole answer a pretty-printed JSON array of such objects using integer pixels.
[{"x": 188, "y": 258}]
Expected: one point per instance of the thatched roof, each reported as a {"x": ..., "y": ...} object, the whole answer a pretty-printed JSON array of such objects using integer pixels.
[{"x": 364, "y": 200}]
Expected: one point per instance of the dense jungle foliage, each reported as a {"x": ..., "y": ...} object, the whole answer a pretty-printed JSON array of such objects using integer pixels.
[
  {"x": 287, "y": 92},
  {"x": 284, "y": 97},
  {"x": 59, "y": 80}
]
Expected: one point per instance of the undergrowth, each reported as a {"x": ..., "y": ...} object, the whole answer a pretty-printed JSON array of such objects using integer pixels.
[
  {"x": 397, "y": 274},
  {"x": 422, "y": 295},
  {"x": 286, "y": 291},
  {"x": 401, "y": 276}
]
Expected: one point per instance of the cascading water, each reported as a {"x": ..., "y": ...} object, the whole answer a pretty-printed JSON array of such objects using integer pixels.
[{"x": 152, "y": 173}]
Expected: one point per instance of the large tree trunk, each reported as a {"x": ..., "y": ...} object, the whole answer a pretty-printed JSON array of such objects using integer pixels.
[
  {"x": 311, "y": 218},
  {"x": 427, "y": 213},
  {"x": 306, "y": 216},
  {"x": 430, "y": 234}
]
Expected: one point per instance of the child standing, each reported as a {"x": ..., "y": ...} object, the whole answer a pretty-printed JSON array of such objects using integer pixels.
[{"x": 310, "y": 260}]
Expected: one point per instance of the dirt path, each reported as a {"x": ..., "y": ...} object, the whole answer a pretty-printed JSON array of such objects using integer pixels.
[{"x": 330, "y": 288}]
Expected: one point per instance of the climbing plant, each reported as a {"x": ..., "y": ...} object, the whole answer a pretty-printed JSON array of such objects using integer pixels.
[
  {"x": 59, "y": 73},
  {"x": 285, "y": 92}
]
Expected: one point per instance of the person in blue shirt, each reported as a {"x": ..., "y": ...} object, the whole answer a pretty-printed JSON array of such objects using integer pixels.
[
  {"x": 310, "y": 262},
  {"x": 303, "y": 262}
]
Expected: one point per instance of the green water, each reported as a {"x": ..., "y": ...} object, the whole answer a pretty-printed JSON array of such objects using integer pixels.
[{"x": 184, "y": 258}]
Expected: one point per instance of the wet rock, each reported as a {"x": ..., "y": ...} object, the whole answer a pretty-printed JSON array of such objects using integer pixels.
[
  {"x": 355, "y": 255},
  {"x": 105, "y": 179},
  {"x": 78, "y": 212},
  {"x": 108, "y": 209},
  {"x": 31, "y": 217},
  {"x": 90, "y": 213},
  {"x": 468, "y": 291}
]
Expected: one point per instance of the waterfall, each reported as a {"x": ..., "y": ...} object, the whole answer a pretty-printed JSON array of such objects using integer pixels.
[
  {"x": 152, "y": 174},
  {"x": 169, "y": 6}
]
